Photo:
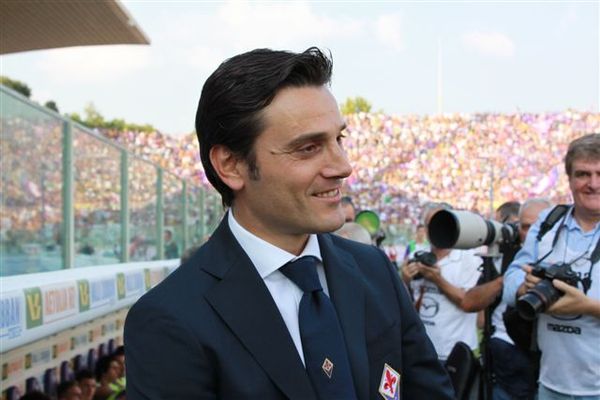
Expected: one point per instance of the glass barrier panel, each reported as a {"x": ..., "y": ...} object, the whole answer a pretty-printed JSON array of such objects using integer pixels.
[
  {"x": 195, "y": 217},
  {"x": 213, "y": 210},
  {"x": 97, "y": 200},
  {"x": 30, "y": 188},
  {"x": 142, "y": 210},
  {"x": 173, "y": 216}
]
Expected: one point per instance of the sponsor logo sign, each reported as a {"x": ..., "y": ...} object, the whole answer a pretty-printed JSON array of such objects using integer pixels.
[
  {"x": 33, "y": 300},
  {"x": 12, "y": 367},
  {"x": 102, "y": 292},
  {"x": 59, "y": 301},
  {"x": 121, "y": 286},
  {"x": 134, "y": 284},
  {"x": 83, "y": 287},
  {"x": 11, "y": 315}
]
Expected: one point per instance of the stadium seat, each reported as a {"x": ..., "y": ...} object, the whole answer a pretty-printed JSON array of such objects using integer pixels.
[
  {"x": 66, "y": 372},
  {"x": 111, "y": 346},
  {"x": 102, "y": 350},
  {"x": 32, "y": 384},
  {"x": 50, "y": 381},
  {"x": 12, "y": 393},
  {"x": 78, "y": 363},
  {"x": 91, "y": 359}
]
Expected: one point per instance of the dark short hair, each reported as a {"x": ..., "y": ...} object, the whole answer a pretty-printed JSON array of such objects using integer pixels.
[
  {"x": 509, "y": 209},
  {"x": 586, "y": 147},
  {"x": 234, "y": 96},
  {"x": 119, "y": 351},
  {"x": 35, "y": 395},
  {"x": 64, "y": 387},
  {"x": 84, "y": 374},
  {"x": 102, "y": 366}
]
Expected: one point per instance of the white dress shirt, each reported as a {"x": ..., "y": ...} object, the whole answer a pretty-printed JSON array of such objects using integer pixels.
[{"x": 267, "y": 260}]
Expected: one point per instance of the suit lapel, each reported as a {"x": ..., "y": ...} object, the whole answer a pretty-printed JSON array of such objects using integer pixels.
[
  {"x": 245, "y": 304},
  {"x": 347, "y": 294}
]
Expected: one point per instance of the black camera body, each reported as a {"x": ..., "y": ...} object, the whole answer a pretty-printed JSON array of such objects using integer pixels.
[
  {"x": 537, "y": 299},
  {"x": 425, "y": 258}
]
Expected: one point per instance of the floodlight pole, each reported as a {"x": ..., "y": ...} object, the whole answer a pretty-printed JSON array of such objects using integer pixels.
[
  {"x": 439, "y": 77},
  {"x": 491, "y": 188}
]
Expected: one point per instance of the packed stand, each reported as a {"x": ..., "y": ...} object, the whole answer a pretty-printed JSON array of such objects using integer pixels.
[{"x": 401, "y": 162}]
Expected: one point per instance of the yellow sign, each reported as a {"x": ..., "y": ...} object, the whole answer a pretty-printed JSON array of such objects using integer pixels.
[
  {"x": 120, "y": 286},
  {"x": 84, "y": 295},
  {"x": 33, "y": 298}
]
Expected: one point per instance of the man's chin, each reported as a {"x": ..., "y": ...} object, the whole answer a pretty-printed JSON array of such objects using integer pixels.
[{"x": 331, "y": 226}]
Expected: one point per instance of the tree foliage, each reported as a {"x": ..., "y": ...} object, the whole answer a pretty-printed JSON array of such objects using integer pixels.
[
  {"x": 15, "y": 85},
  {"x": 93, "y": 119},
  {"x": 354, "y": 105},
  {"x": 51, "y": 104}
]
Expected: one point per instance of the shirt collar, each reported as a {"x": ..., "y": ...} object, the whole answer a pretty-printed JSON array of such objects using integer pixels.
[
  {"x": 265, "y": 256},
  {"x": 572, "y": 224}
]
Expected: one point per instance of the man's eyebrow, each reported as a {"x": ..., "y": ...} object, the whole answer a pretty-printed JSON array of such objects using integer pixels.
[{"x": 308, "y": 137}]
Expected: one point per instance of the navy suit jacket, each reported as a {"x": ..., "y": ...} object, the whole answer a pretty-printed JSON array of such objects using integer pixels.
[{"x": 212, "y": 330}]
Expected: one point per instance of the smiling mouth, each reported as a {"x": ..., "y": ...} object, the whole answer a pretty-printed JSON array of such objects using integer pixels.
[{"x": 328, "y": 194}]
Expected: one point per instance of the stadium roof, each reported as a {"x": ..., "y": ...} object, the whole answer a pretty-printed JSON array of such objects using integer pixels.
[{"x": 33, "y": 25}]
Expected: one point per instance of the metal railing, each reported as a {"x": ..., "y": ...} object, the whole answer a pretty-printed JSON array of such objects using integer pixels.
[{"x": 70, "y": 197}]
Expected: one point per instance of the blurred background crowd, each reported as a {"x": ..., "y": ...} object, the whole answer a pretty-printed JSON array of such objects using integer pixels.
[{"x": 401, "y": 162}]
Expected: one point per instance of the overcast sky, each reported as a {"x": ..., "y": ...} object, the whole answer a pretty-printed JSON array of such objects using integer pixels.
[{"x": 501, "y": 57}]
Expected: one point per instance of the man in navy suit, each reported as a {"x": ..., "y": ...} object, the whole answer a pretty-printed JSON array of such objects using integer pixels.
[{"x": 226, "y": 323}]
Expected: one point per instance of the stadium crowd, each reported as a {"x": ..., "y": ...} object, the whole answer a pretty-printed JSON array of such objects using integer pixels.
[{"x": 400, "y": 162}]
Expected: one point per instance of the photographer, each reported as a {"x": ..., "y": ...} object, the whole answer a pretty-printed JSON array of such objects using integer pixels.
[
  {"x": 511, "y": 367},
  {"x": 569, "y": 328},
  {"x": 419, "y": 243},
  {"x": 438, "y": 285}
]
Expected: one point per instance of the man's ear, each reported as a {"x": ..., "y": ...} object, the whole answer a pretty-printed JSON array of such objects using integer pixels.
[{"x": 228, "y": 166}]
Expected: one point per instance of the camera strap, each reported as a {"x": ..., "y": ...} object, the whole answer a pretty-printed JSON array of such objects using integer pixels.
[
  {"x": 557, "y": 212},
  {"x": 551, "y": 219},
  {"x": 587, "y": 280}
]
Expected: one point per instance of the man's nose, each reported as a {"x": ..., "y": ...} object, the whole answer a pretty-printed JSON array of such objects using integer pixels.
[
  {"x": 338, "y": 165},
  {"x": 595, "y": 181}
]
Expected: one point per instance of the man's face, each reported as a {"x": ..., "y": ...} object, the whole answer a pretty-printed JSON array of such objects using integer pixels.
[
  {"x": 421, "y": 233},
  {"x": 88, "y": 388},
  {"x": 584, "y": 182},
  {"x": 120, "y": 359},
  {"x": 113, "y": 371},
  {"x": 301, "y": 165},
  {"x": 528, "y": 216}
]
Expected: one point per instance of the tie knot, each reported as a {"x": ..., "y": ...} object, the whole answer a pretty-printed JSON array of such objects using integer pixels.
[{"x": 303, "y": 272}]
